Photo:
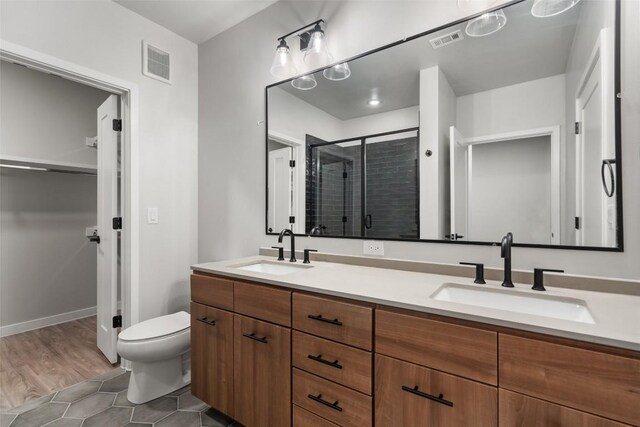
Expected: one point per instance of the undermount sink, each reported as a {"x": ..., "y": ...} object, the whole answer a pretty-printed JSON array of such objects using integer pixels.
[
  {"x": 277, "y": 268},
  {"x": 555, "y": 307}
]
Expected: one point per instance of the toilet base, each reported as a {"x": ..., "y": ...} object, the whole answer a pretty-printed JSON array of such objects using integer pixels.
[{"x": 150, "y": 380}]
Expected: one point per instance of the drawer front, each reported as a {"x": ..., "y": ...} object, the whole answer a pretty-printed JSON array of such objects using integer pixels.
[
  {"x": 440, "y": 399},
  {"x": 338, "y": 321},
  {"x": 262, "y": 373},
  {"x": 212, "y": 291},
  {"x": 460, "y": 350},
  {"x": 587, "y": 380},
  {"x": 212, "y": 356},
  {"x": 518, "y": 410},
  {"x": 331, "y": 401},
  {"x": 345, "y": 365},
  {"x": 263, "y": 302},
  {"x": 304, "y": 418}
]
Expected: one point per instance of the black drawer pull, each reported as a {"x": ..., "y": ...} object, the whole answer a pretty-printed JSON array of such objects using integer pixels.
[
  {"x": 207, "y": 321},
  {"x": 319, "y": 399},
  {"x": 319, "y": 358},
  {"x": 254, "y": 337},
  {"x": 325, "y": 320},
  {"x": 417, "y": 392}
]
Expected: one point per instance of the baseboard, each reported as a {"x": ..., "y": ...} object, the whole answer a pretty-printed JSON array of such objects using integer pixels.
[{"x": 43, "y": 322}]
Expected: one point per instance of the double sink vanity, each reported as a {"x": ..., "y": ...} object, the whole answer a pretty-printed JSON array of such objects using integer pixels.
[{"x": 341, "y": 343}]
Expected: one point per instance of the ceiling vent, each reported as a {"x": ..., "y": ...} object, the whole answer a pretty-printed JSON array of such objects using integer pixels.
[
  {"x": 446, "y": 39},
  {"x": 156, "y": 63}
]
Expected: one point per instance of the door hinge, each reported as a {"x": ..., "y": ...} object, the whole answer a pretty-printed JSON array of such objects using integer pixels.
[
  {"x": 577, "y": 128},
  {"x": 117, "y": 321},
  {"x": 344, "y": 219},
  {"x": 292, "y": 163},
  {"x": 292, "y": 220},
  {"x": 117, "y": 125},
  {"x": 577, "y": 223},
  {"x": 344, "y": 175},
  {"x": 117, "y": 223}
]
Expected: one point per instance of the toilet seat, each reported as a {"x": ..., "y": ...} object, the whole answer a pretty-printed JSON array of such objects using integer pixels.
[{"x": 158, "y": 327}]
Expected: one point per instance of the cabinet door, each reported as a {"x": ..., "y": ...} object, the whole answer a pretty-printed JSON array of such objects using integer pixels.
[
  {"x": 212, "y": 356},
  {"x": 411, "y": 395},
  {"x": 262, "y": 373}
]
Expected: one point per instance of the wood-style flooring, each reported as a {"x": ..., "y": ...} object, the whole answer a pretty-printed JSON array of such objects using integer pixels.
[{"x": 39, "y": 362}]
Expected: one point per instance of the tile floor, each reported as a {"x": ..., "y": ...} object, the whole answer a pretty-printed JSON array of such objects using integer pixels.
[{"x": 102, "y": 402}]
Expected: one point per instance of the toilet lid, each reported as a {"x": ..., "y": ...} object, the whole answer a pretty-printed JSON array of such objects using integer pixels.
[{"x": 157, "y": 327}]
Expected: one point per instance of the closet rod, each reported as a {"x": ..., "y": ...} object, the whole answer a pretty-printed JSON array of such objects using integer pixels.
[{"x": 39, "y": 169}]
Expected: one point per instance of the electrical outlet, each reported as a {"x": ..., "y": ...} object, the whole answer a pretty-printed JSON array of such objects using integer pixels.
[{"x": 371, "y": 247}]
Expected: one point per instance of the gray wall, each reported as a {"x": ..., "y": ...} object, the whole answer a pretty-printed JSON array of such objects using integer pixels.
[
  {"x": 47, "y": 265},
  {"x": 232, "y": 152}
]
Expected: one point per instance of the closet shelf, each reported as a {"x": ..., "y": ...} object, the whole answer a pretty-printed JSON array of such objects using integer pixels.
[{"x": 52, "y": 165}]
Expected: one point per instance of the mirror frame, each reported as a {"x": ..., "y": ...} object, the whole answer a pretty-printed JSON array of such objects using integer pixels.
[{"x": 617, "y": 133}]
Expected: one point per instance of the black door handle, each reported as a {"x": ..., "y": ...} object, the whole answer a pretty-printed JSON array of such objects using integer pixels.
[
  {"x": 319, "y": 318},
  {"x": 417, "y": 392},
  {"x": 207, "y": 321},
  {"x": 254, "y": 337},
  {"x": 319, "y": 399},
  {"x": 608, "y": 163},
  {"x": 368, "y": 222},
  {"x": 319, "y": 358},
  {"x": 94, "y": 238}
]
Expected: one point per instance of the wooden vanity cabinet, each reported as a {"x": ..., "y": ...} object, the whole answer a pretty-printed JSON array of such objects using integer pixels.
[
  {"x": 262, "y": 373},
  {"x": 212, "y": 356}
]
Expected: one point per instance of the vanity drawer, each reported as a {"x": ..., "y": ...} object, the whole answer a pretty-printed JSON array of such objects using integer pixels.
[
  {"x": 338, "y": 321},
  {"x": 460, "y": 350},
  {"x": 518, "y": 410},
  {"x": 600, "y": 383},
  {"x": 342, "y": 364},
  {"x": 440, "y": 400},
  {"x": 334, "y": 402},
  {"x": 212, "y": 291},
  {"x": 263, "y": 302},
  {"x": 304, "y": 418}
]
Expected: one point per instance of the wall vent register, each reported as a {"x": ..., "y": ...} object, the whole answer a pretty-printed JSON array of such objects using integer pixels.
[{"x": 156, "y": 63}]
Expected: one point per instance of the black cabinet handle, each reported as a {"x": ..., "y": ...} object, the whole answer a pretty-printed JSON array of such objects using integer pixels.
[
  {"x": 319, "y": 399},
  {"x": 319, "y": 358},
  {"x": 253, "y": 336},
  {"x": 319, "y": 318},
  {"x": 368, "y": 223},
  {"x": 608, "y": 163},
  {"x": 207, "y": 321},
  {"x": 417, "y": 392}
]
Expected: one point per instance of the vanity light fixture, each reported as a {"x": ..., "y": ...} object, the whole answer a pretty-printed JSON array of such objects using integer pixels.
[
  {"x": 337, "y": 72},
  {"x": 317, "y": 55},
  {"x": 547, "y": 8},
  {"x": 283, "y": 66},
  {"x": 307, "y": 82},
  {"x": 485, "y": 24}
]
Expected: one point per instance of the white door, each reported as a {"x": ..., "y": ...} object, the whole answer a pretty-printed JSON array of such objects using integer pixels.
[
  {"x": 280, "y": 189},
  {"x": 458, "y": 176},
  {"x": 590, "y": 197},
  {"x": 107, "y": 304}
]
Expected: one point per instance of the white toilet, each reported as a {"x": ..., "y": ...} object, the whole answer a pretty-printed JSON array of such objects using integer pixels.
[{"x": 156, "y": 348}]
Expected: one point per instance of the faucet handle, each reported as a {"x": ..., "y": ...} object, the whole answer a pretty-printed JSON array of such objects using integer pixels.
[
  {"x": 280, "y": 252},
  {"x": 479, "y": 272},
  {"x": 306, "y": 255},
  {"x": 538, "y": 277}
]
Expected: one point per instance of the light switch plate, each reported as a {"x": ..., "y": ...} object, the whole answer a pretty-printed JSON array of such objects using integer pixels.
[
  {"x": 371, "y": 247},
  {"x": 152, "y": 215}
]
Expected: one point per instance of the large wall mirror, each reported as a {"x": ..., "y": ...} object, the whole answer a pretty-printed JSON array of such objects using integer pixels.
[{"x": 454, "y": 137}]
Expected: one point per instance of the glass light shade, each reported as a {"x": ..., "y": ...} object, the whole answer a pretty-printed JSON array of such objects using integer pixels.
[
  {"x": 337, "y": 72},
  {"x": 475, "y": 5},
  {"x": 546, "y": 8},
  {"x": 486, "y": 24},
  {"x": 317, "y": 55},
  {"x": 283, "y": 66},
  {"x": 307, "y": 82}
]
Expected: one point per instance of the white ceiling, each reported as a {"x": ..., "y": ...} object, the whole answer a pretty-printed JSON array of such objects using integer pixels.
[
  {"x": 196, "y": 20},
  {"x": 527, "y": 48}
]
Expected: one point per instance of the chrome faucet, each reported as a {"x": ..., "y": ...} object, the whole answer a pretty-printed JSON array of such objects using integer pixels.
[
  {"x": 505, "y": 252},
  {"x": 293, "y": 242}
]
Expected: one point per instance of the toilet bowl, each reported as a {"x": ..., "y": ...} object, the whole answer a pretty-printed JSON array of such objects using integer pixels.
[{"x": 155, "y": 349}]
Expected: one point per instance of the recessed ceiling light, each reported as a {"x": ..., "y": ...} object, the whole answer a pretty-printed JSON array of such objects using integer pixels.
[{"x": 373, "y": 102}]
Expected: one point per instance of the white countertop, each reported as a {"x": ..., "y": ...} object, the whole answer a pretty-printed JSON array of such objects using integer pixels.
[{"x": 617, "y": 316}]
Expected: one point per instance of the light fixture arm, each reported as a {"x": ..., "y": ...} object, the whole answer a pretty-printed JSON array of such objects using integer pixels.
[{"x": 313, "y": 24}]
